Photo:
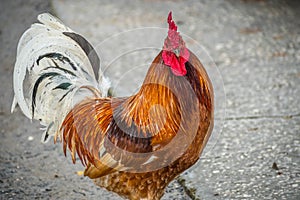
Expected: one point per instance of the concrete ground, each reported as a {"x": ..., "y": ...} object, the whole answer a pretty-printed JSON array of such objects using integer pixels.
[{"x": 255, "y": 149}]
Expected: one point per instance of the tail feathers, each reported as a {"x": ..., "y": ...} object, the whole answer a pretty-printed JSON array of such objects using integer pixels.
[
  {"x": 53, "y": 22},
  {"x": 54, "y": 70}
]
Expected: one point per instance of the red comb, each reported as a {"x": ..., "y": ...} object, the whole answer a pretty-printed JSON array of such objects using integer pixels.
[
  {"x": 172, "y": 25},
  {"x": 173, "y": 43}
]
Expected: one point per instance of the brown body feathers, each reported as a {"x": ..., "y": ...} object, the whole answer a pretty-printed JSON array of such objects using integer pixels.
[{"x": 169, "y": 119}]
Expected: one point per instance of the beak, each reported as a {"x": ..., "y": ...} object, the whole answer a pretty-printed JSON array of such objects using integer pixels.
[{"x": 177, "y": 52}]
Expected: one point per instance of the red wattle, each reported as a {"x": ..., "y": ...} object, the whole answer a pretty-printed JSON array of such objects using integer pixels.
[{"x": 177, "y": 64}]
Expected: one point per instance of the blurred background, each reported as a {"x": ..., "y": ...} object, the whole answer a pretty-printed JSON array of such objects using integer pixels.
[{"x": 255, "y": 150}]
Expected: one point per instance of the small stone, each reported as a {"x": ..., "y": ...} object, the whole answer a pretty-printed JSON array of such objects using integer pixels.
[
  {"x": 246, "y": 195},
  {"x": 30, "y": 138},
  {"x": 219, "y": 46},
  {"x": 274, "y": 166}
]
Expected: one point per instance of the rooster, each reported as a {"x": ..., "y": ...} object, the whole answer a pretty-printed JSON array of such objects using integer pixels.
[{"x": 134, "y": 146}]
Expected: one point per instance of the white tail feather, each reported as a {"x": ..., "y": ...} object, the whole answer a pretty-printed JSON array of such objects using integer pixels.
[{"x": 53, "y": 72}]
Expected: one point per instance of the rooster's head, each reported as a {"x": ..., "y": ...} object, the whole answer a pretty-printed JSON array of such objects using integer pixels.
[{"x": 175, "y": 54}]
